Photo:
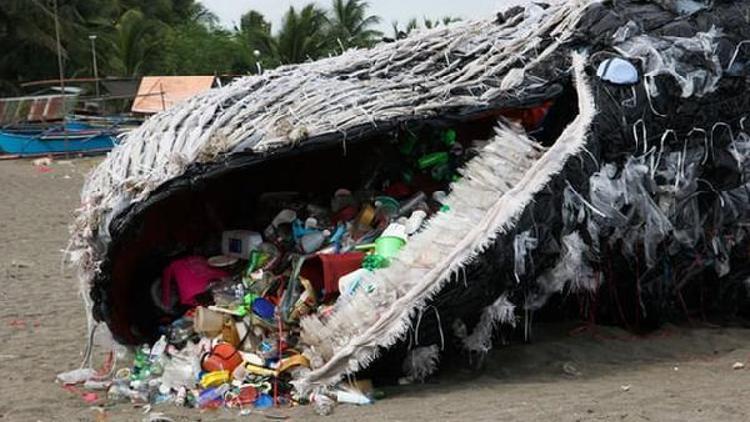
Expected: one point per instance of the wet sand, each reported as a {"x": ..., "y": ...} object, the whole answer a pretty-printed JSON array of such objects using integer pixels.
[{"x": 677, "y": 374}]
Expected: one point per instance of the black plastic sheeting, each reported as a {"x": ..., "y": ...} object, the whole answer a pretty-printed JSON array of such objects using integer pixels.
[{"x": 660, "y": 200}]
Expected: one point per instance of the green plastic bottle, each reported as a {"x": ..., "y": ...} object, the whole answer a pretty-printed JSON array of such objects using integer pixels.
[
  {"x": 434, "y": 159},
  {"x": 449, "y": 137}
]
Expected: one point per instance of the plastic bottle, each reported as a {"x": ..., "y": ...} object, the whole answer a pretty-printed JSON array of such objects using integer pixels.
[
  {"x": 352, "y": 397},
  {"x": 121, "y": 392},
  {"x": 161, "y": 397},
  {"x": 92, "y": 384},
  {"x": 76, "y": 376},
  {"x": 415, "y": 221},
  {"x": 118, "y": 392},
  {"x": 431, "y": 160},
  {"x": 157, "y": 357},
  {"x": 412, "y": 203},
  {"x": 181, "y": 397},
  {"x": 157, "y": 350},
  {"x": 141, "y": 365},
  {"x": 180, "y": 331},
  {"x": 211, "y": 394},
  {"x": 442, "y": 172},
  {"x": 449, "y": 137}
]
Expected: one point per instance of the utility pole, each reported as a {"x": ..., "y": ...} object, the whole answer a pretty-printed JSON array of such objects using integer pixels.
[
  {"x": 62, "y": 76},
  {"x": 59, "y": 54},
  {"x": 96, "y": 69}
]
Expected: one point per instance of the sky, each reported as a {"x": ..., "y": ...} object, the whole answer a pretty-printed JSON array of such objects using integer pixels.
[{"x": 229, "y": 11}]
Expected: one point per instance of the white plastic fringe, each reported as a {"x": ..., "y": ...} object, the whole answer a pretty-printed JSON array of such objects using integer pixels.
[
  {"x": 502, "y": 311},
  {"x": 571, "y": 269},
  {"x": 496, "y": 187},
  {"x": 421, "y": 362}
]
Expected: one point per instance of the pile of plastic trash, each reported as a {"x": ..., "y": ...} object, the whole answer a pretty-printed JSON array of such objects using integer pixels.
[{"x": 229, "y": 336}]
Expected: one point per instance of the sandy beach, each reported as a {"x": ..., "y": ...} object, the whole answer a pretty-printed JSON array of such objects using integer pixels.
[{"x": 675, "y": 374}]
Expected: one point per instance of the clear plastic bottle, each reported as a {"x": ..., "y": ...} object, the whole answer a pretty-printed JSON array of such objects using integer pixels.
[
  {"x": 181, "y": 397},
  {"x": 181, "y": 331},
  {"x": 76, "y": 376},
  {"x": 122, "y": 392},
  {"x": 157, "y": 350}
]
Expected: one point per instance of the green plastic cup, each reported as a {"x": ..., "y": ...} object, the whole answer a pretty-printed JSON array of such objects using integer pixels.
[{"x": 389, "y": 246}]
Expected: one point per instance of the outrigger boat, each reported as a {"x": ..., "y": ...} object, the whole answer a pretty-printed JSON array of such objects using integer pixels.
[
  {"x": 26, "y": 141},
  {"x": 39, "y": 125}
]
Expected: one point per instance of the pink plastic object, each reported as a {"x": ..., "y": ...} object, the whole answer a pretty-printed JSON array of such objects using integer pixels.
[{"x": 192, "y": 275}]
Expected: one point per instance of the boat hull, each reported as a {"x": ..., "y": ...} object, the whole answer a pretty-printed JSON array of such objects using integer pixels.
[{"x": 20, "y": 144}]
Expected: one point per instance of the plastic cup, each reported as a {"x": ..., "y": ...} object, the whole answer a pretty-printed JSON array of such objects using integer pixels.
[
  {"x": 387, "y": 205},
  {"x": 388, "y": 246}
]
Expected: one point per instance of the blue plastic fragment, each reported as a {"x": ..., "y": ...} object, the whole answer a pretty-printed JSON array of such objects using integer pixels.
[
  {"x": 339, "y": 233},
  {"x": 263, "y": 308},
  {"x": 264, "y": 401}
]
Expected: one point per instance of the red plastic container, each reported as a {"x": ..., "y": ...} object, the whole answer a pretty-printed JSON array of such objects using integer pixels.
[{"x": 324, "y": 270}]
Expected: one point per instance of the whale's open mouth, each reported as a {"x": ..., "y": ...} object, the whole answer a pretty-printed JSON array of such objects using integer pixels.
[{"x": 185, "y": 215}]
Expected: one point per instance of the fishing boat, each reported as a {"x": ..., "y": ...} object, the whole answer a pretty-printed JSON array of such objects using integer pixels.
[
  {"x": 28, "y": 141},
  {"x": 122, "y": 122}
]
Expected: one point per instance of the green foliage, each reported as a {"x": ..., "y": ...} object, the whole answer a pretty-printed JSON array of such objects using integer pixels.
[
  {"x": 134, "y": 41},
  {"x": 171, "y": 37},
  {"x": 413, "y": 24},
  {"x": 256, "y": 44},
  {"x": 27, "y": 37},
  {"x": 350, "y": 25},
  {"x": 195, "y": 49},
  {"x": 302, "y": 36}
]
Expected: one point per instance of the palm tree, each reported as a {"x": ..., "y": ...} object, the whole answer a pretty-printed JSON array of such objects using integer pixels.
[
  {"x": 413, "y": 25},
  {"x": 302, "y": 35},
  {"x": 445, "y": 21},
  {"x": 28, "y": 42},
  {"x": 132, "y": 43},
  {"x": 255, "y": 39},
  {"x": 31, "y": 27},
  {"x": 350, "y": 25}
]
